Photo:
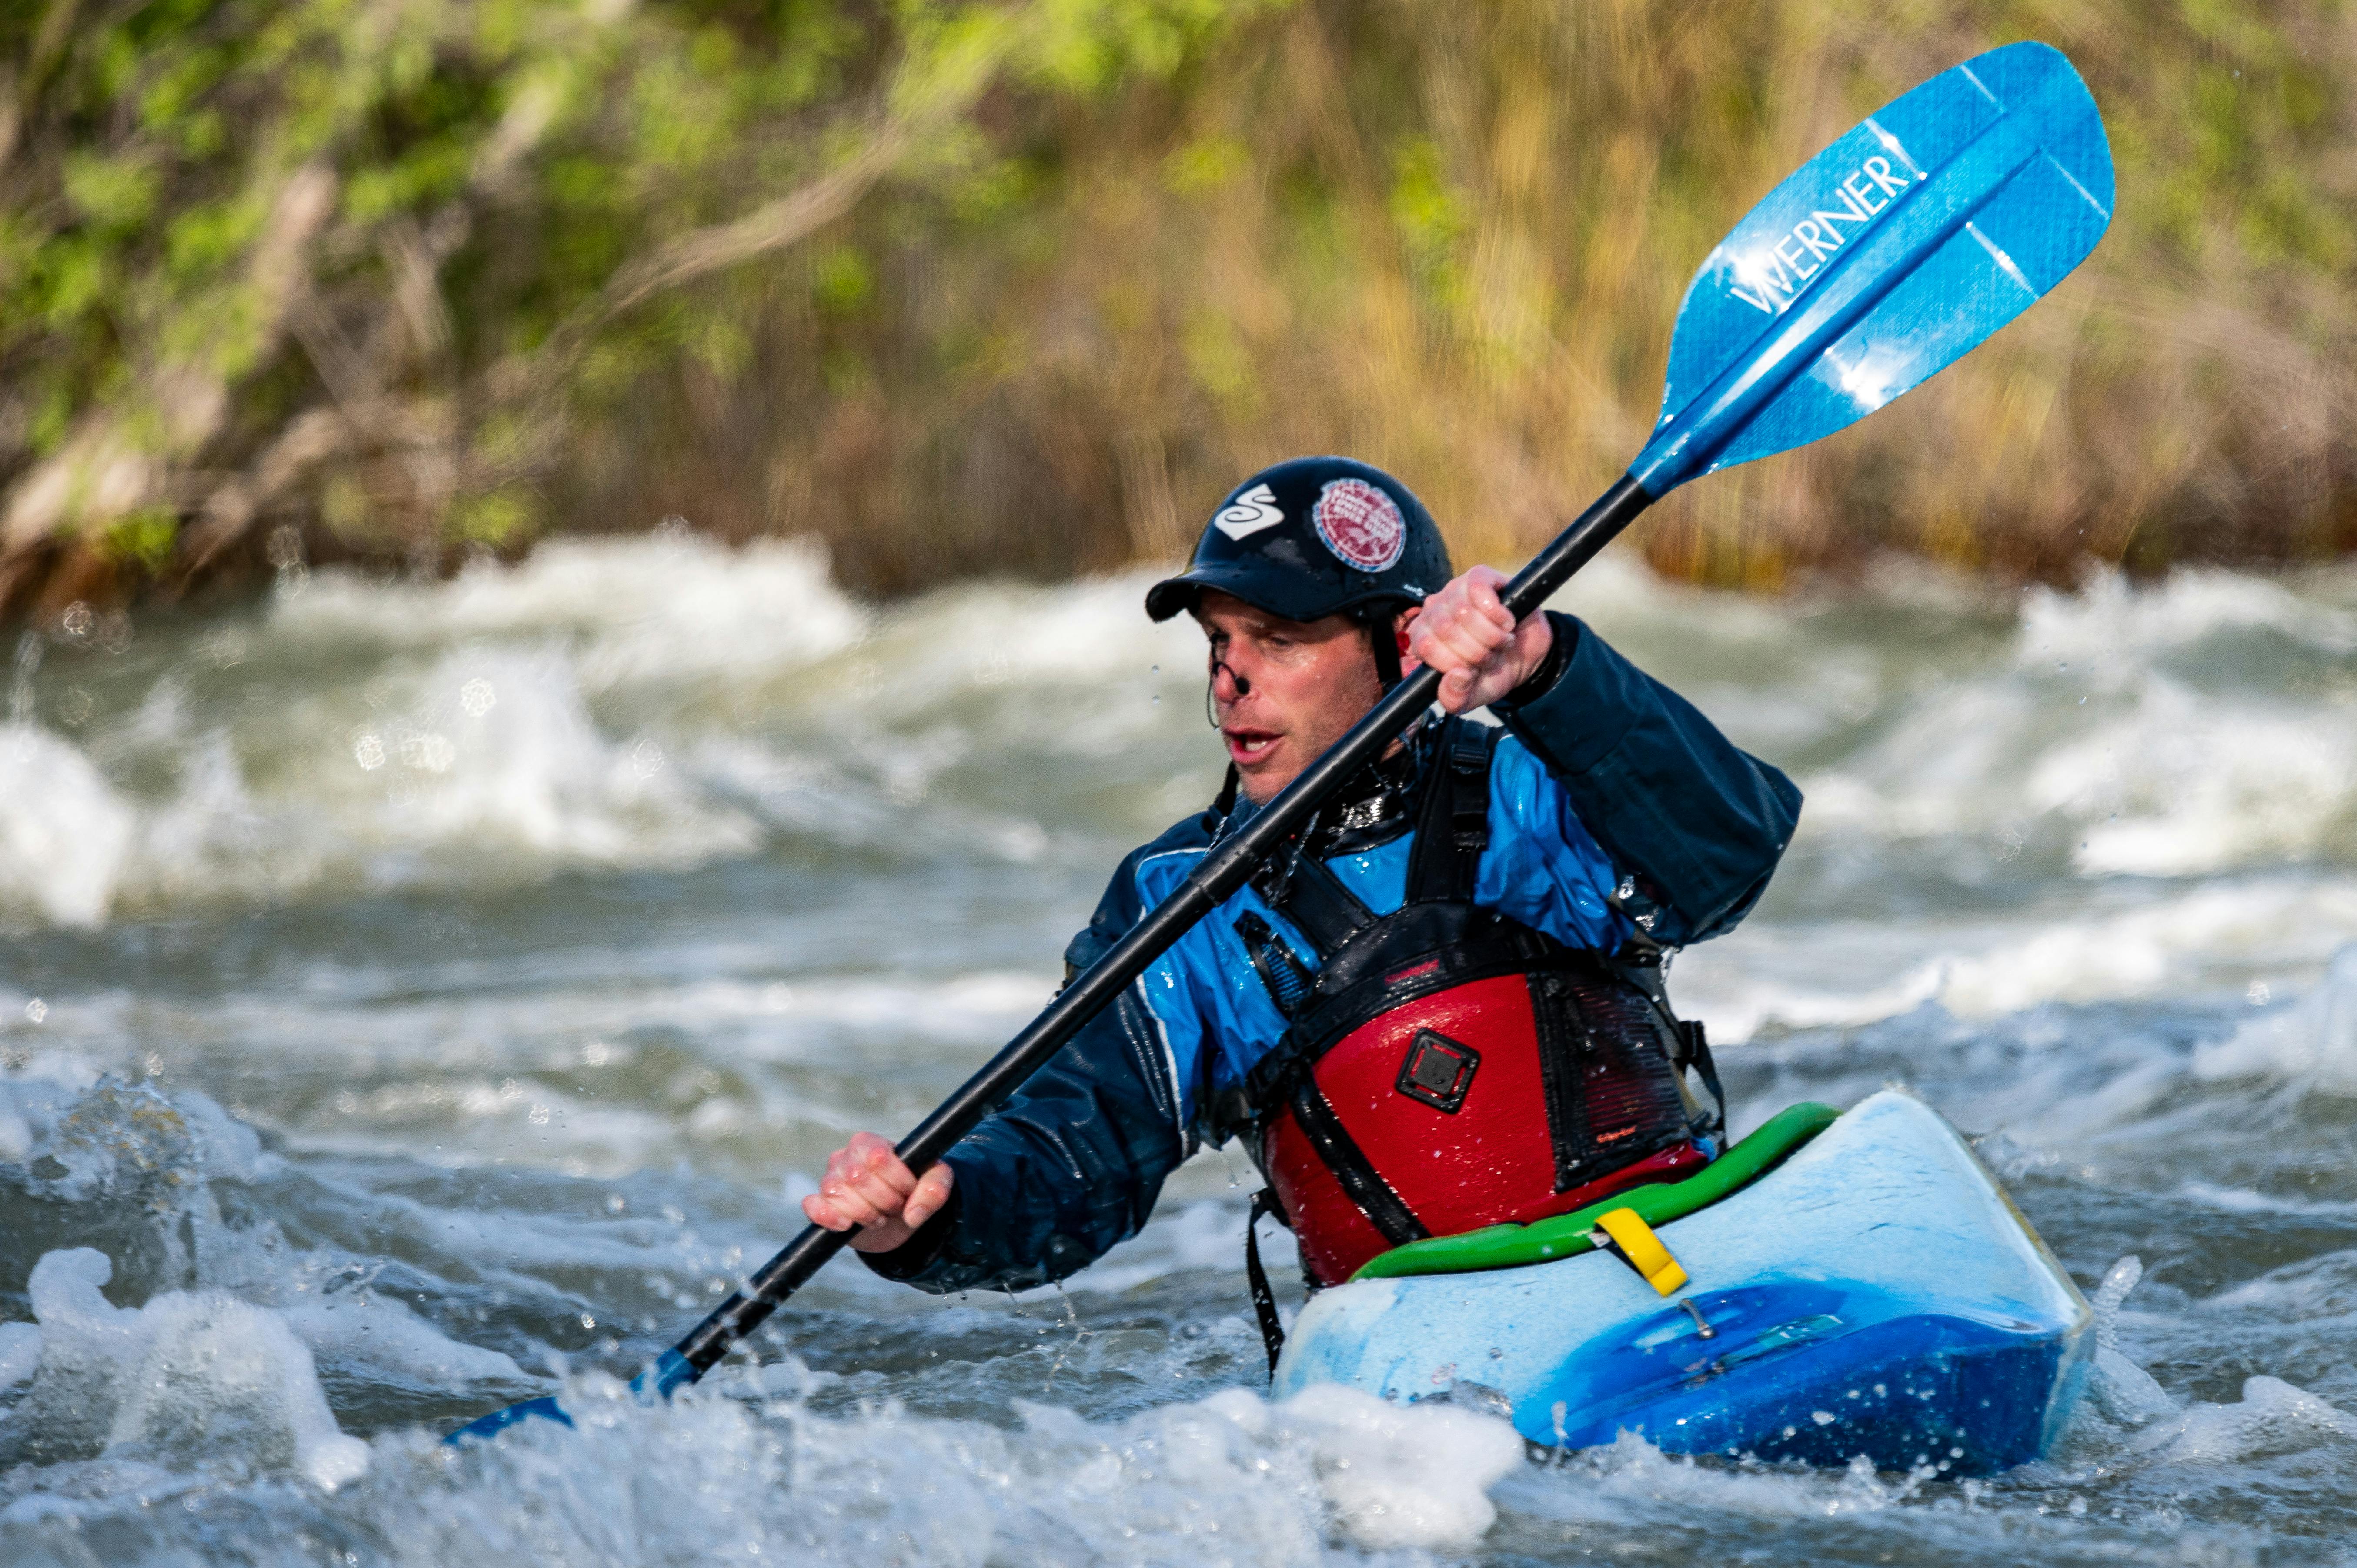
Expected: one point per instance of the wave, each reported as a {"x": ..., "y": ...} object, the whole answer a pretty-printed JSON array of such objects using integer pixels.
[{"x": 2059, "y": 796}]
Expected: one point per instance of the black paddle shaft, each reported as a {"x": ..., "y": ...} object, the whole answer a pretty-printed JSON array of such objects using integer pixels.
[{"x": 1221, "y": 873}]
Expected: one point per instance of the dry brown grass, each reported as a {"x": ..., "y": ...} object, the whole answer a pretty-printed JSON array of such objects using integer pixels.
[{"x": 1452, "y": 238}]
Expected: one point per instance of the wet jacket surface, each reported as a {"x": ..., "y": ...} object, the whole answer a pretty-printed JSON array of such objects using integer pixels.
[{"x": 1604, "y": 776}]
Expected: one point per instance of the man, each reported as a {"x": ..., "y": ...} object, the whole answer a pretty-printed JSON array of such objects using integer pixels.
[{"x": 1440, "y": 1005}]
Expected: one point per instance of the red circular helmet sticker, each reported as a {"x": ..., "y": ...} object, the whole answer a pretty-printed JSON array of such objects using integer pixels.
[{"x": 1361, "y": 524}]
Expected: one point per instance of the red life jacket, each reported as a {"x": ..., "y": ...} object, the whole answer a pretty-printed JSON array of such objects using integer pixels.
[{"x": 1448, "y": 1067}]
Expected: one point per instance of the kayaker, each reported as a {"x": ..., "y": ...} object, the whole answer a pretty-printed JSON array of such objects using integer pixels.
[{"x": 1441, "y": 1006}]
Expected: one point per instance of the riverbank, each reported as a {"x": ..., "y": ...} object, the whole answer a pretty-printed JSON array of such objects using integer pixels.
[{"x": 972, "y": 292}]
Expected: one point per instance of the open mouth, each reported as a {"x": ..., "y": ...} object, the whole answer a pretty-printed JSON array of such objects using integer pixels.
[{"x": 1246, "y": 746}]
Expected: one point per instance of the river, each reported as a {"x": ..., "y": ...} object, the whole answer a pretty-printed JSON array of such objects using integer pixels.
[{"x": 411, "y": 994}]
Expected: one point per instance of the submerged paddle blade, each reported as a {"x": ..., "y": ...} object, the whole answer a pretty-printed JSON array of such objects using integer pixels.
[
  {"x": 669, "y": 1370},
  {"x": 499, "y": 1421},
  {"x": 1887, "y": 257}
]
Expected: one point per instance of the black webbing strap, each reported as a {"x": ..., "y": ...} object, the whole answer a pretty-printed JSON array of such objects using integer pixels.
[
  {"x": 1361, "y": 1182},
  {"x": 1264, "y": 1300},
  {"x": 1225, "y": 803},
  {"x": 1553, "y": 1010},
  {"x": 1453, "y": 827},
  {"x": 1288, "y": 980},
  {"x": 1382, "y": 642},
  {"x": 1306, "y": 891},
  {"x": 1697, "y": 1056}
]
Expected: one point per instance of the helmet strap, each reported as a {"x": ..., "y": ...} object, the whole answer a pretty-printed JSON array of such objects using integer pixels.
[
  {"x": 1227, "y": 801},
  {"x": 1384, "y": 638}
]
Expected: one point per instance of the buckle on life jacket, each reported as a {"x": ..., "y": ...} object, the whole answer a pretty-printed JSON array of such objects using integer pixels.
[{"x": 1439, "y": 1071}]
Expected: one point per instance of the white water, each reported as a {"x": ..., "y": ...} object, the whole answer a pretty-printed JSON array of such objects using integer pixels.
[{"x": 410, "y": 993}]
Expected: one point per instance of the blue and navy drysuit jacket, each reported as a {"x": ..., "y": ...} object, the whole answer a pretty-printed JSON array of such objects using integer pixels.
[{"x": 1603, "y": 776}]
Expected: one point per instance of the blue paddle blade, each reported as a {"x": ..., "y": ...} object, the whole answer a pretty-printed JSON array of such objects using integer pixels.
[
  {"x": 499, "y": 1421},
  {"x": 1888, "y": 256},
  {"x": 669, "y": 1370}
]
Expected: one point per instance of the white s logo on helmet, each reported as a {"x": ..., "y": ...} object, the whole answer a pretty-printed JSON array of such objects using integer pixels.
[{"x": 1249, "y": 513}]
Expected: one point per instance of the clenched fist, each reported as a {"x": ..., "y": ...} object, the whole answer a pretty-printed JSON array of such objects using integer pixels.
[
  {"x": 866, "y": 1185},
  {"x": 1465, "y": 632}
]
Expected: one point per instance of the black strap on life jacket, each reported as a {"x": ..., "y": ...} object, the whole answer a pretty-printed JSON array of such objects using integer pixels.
[
  {"x": 1559, "y": 1055},
  {"x": 1289, "y": 979},
  {"x": 1453, "y": 829},
  {"x": 1360, "y": 1182},
  {"x": 1644, "y": 963},
  {"x": 1305, "y": 890},
  {"x": 1264, "y": 1300},
  {"x": 1697, "y": 1056}
]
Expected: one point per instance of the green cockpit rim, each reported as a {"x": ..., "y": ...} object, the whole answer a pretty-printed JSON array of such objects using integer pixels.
[{"x": 1567, "y": 1235}]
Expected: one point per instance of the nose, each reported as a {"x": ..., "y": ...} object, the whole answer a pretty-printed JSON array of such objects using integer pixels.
[{"x": 1214, "y": 699}]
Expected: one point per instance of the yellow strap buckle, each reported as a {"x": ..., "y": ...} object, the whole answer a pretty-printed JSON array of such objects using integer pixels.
[{"x": 1622, "y": 1233}]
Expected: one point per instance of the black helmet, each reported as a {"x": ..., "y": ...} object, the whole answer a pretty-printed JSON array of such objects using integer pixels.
[{"x": 1312, "y": 538}]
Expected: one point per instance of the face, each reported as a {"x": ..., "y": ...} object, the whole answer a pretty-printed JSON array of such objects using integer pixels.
[{"x": 1283, "y": 691}]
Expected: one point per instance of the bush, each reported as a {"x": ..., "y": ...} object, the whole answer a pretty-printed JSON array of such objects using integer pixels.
[{"x": 1025, "y": 286}]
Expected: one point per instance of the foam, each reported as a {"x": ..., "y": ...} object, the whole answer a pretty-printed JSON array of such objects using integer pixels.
[
  {"x": 493, "y": 771},
  {"x": 2101, "y": 946},
  {"x": 664, "y": 701},
  {"x": 378, "y": 1339},
  {"x": 64, "y": 832},
  {"x": 2109, "y": 617},
  {"x": 655, "y": 607},
  {"x": 1376, "y": 1465},
  {"x": 20, "y": 1353},
  {"x": 123, "y": 1153},
  {"x": 2312, "y": 1043},
  {"x": 2171, "y": 782},
  {"x": 198, "y": 1379},
  {"x": 2120, "y": 1389},
  {"x": 1630, "y": 1480},
  {"x": 2272, "y": 1417},
  {"x": 1228, "y": 1480}
]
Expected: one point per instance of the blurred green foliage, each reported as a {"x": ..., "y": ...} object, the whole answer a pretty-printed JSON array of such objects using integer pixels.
[{"x": 1023, "y": 286}]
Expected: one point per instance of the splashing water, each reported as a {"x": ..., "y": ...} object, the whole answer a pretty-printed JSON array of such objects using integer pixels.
[
  {"x": 202, "y": 1374},
  {"x": 416, "y": 997}
]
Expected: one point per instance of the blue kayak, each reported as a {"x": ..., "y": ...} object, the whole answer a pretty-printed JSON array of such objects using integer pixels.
[{"x": 1875, "y": 1293}]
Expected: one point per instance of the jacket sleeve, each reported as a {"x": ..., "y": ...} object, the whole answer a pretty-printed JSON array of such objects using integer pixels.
[
  {"x": 1073, "y": 1164},
  {"x": 1700, "y": 823}
]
